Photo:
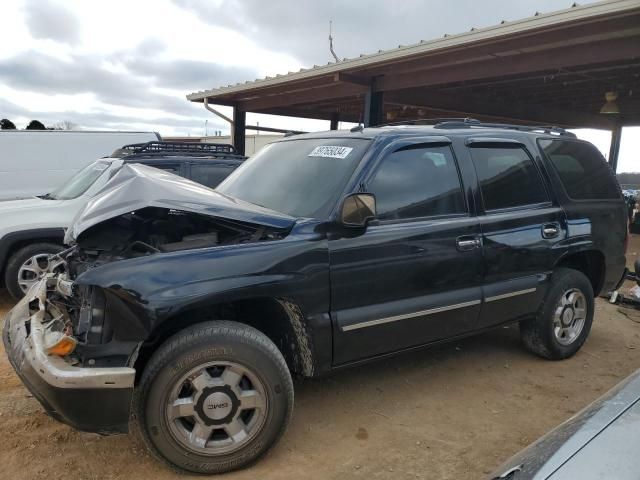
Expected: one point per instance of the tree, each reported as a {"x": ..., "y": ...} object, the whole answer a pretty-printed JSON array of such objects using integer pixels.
[
  {"x": 6, "y": 124},
  {"x": 64, "y": 125},
  {"x": 35, "y": 125}
]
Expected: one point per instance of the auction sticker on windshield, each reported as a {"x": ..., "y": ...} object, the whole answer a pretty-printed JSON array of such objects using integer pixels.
[{"x": 328, "y": 151}]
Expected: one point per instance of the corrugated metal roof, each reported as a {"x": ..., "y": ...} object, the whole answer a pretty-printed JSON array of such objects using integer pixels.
[{"x": 537, "y": 21}]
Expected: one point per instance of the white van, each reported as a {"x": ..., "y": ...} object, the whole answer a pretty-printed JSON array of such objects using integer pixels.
[{"x": 34, "y": 162}]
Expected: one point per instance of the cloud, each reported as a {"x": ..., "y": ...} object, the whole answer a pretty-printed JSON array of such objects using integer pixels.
[
  {"x": 302, "y": 28},
  {"x": 47, "y": 20},
  {"x": 187, "y": 75},
  {"x": 100, "y": 120},
  {"x": 137, "y": 86}
]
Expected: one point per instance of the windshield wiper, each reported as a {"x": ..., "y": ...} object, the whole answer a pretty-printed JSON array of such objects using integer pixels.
[{"x": 46, "y": 196}]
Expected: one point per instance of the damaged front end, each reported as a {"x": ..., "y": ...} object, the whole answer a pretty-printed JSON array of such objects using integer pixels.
[
  {"x": 42, "y": 345},
  {"x": 74, "y": 338}
]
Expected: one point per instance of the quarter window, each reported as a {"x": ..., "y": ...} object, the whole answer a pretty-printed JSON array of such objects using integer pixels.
[
  {"x": 582, "y": 170},
  {"x": 508, "y": 177},
  {"x": 416, "y": 182}
]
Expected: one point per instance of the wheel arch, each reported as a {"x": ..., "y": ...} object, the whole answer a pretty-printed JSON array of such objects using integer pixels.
[
  {"x": 590, "y": 262},
  {"x": 281, "y": 320},
  {"x": 12, "y": 242}
]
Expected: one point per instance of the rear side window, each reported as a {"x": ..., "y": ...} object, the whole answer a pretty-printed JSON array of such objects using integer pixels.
[
  {"x": 508, "y": 177},
  {"x": 210, "y": 175},
  {"x": 419, "y": 181},
  {"x": 582, "y": 170}
]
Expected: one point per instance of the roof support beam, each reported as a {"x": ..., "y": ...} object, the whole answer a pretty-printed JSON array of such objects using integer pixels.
[
  {"x": 525, "y": 112},
  {"x": 349, "y": 78},
  {"x": 287, "y": 98},
  {"x": 515, "y": 64}
]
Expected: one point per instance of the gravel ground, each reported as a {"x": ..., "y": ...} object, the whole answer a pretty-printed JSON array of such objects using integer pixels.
[{"x": 453, "y": 412}]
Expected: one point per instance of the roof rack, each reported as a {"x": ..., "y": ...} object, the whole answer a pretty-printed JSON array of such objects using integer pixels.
[
  {"x": 169, "y": 148},
  {"x": 472, "y": 122}
]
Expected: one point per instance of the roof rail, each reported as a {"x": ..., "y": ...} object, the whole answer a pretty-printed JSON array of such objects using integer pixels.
[
  {"x": 430, "y": 121},
  {"x": 472, "y": 122},
  {"x": 523, "y": 128},
  {"x": 176, "y": 147}
]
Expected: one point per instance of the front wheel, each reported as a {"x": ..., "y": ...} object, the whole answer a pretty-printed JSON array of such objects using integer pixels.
[
  {"x": 29, "y": 264},
  {"x": 214, "y": 398},
  {"x": 564, "y": 320}
]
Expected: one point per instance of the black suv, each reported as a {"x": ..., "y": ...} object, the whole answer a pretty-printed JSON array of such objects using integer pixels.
[{"x": 191, "y": 308}]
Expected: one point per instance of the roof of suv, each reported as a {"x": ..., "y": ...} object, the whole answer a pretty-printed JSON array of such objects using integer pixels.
[{"x": 463, "y": 126}]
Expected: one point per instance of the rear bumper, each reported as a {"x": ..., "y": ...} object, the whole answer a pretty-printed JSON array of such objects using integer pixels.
[{"x": 88, "y": 399}]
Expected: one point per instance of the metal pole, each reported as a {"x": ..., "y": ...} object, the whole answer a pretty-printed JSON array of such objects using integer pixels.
[
  {"x": 335, "y": 118},
  {"x": 239, "y": 129},
  {"x": 373, "y": 105},
  {"x": 616, "y": 138},
  {"x": 221, "y": 115}
]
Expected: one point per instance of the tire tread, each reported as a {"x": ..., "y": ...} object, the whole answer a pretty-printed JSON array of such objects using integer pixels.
[{"x": 196, "y": 335}]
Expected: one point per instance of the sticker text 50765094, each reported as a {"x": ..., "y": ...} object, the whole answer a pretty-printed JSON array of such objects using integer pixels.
[{"x": 329, "y": 151}]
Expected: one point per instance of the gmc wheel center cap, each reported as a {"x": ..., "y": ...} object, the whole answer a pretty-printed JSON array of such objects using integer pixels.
[
  {"x": 567, "y": 317},
  {"x": 217, "y": 405}
]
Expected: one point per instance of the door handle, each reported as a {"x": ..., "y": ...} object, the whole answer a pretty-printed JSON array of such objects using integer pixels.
[
  {"x": 467, "y": 243},
  {"x": 550, "y": 230}
]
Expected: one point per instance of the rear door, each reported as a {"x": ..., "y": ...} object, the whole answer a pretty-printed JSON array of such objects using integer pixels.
[
  {"x": 414, "y": 276},
  {"x": 520, "y": 224}
]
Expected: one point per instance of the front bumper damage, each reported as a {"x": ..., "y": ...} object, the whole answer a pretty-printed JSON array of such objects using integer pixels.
[{"x": 88, "y": 399}]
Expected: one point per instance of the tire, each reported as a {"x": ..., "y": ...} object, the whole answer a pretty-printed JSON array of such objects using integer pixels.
[
  {"x": 551, "y": 334},
  {"x": 18, "y": 259},
  {"x": 193, "y": 367}
]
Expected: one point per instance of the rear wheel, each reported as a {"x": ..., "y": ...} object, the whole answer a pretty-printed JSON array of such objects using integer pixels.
[
  {"x": 27, "y": 266},
  {"x": 214, "y": 398},
  {"x": 564, "y": 320}
]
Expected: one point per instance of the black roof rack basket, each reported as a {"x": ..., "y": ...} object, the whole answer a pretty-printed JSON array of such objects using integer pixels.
[{"x": 176, "y": 147}]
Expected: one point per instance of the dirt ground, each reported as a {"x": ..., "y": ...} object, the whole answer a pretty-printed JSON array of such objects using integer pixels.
[{"x": 453, "y": 412}]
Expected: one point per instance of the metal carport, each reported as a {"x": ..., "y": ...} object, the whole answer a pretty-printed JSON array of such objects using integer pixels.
[{"x": 549, "y": 68}]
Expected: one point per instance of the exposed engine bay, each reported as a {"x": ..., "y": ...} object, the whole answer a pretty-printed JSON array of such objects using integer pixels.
[{"x": 154, "y": 230}]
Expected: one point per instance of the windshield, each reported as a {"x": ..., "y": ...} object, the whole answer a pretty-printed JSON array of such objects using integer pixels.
[
  {"x": 298, "y": 177},
  {"x": 80, "y": 182}
]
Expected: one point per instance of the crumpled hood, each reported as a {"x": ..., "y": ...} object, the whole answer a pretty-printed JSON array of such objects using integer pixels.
[{"x": 138, "y": 186}]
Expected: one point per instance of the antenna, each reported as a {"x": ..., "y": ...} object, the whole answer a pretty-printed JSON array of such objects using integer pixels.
[{"x": 331, "y": 43}]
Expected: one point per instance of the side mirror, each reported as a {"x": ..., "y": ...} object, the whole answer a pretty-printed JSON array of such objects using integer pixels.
[{"x": 357, "y": 209}]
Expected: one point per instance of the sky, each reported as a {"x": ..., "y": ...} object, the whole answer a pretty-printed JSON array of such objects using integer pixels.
[{"x": 128, "y": 64}]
